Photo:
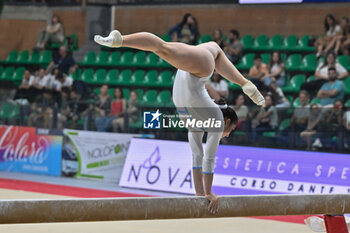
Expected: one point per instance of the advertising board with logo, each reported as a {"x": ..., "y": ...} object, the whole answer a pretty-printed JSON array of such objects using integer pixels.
[
  {"x": 166, "y": 166},
  {"x": 94, "y": 154},
  {"x": 23, "y": 149}
]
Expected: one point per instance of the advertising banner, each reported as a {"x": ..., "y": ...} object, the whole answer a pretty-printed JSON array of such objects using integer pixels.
[
  {"x": 166, "y": 166},
  {"x": 23, "y": 149},
  {"x": 94, "y": 154}
]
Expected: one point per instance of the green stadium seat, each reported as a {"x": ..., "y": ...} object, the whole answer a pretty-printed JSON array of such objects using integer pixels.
[
  {"x": 347, "y": 103},
  {"x": 233, "y": 86},
  {"x": 315, "y": 101},
  {"x": 100, "y": 77},
  {"x": 295, "y": 83},
  {"x": 151, "y": 79},
  {"x": 126, "y": 93},
  {"x": 265, "y": 57},
  {"x": 344, "y": 61},
  {"x": 320, "y": 61},
  {"x": 296, "y": 103},
  {"x": 165, "y": 79},
  {"x": 164, "y": 98},
  {"x": 139, "y": 94},
  {"x": 284, "y": 57},
  {"x": 1, "y": 70},
  {"x": 303, "y": 45},
  {"x": 149, "y": 98},
  {"x": 247, "y": 41},
  {"x": 114, "y": 58},
  {"x": 275, "y": 43},
  {"x": 289, "y": 98},
  {"x": 125, "y": 77},
  {"x": 311, "y": 78},
  {"x": 7, "y": 74},
  {"x": 284, "y": 124},
  {"x": 137, "y": 78},
  {"x": 23, "y": 57},
  {"x": 89, "y": 59},
  {"x": 12, "y": 57},
  {"x": 152, "y": 60},
  {"x": 111, "y": 92},
  {"x": 204, "y": 39},
  {"x": 112, "y": 77},
  {"x": 261, "y": 43},
  {"x": 102, "y": 59},
  {"x": 75, "y": 41},
  {"x": 290, "y": 43},
  {"x": 347, "y": 85},
  {"x": 139, "y": 59},
  {"x": 247, "y": 61},
  {"x": 293, "y": 62},
  {"x": 18, "y": 75},
  {"x": 127, "y": 58},
  {"x": 308, "y": 64},
  {"x": 34, "y": 58},
  {"x": 88, "y": 76},
  {"x": 45, "y": 57},
  {"x": 6, "y": 110},
  {"x": 97, "y": 90},
  {"x": 77, "y": 74},
  {"x": 166, "y": 38}
]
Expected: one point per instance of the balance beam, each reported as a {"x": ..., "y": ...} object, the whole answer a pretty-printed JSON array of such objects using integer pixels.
[{"x": 109, "y": 209}]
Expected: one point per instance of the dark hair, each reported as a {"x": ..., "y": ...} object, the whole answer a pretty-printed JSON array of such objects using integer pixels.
[
  {"x": 220, "y": 31},
  {"x": 235, "y": 32},
  {"x": 257, "y": 56},
  {"x": 65, "y": 90},
  {"x": 122, "y": 94},
  {"x": 184, "y": 19},
  {"x": 326, "y": 25},
  {"x": 228, "y": 112},
  {"x": 325, "y": 60},
  {"x": 58, "y": 19},
  {"x": 332, "y": 68},
  {"x": 279, "y": 59},
  {"x": 59, "y": 75}
]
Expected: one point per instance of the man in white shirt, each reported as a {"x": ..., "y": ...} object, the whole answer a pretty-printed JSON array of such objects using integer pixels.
[
  {"x": 62, "y": 80},
  {"x": 23, "y": 91}
]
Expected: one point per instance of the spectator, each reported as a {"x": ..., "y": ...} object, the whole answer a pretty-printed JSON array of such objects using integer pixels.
[
  {"x": 77, "y": 108},
  {"x": 217, "y": 36},
  {"x": 42, "y": 110},
  {"x": 332, "y": 29},
  {"x": 219, "y": 85},
  {"x": 334, "y": 121},
  {"x": 346, "y": 124},
  {"x": 102, "y": 108},
  {"x": 242, "y": 113},
  {"x": 186, "y": 31},
  {"x": 53, "y": 34},
  {"x": 258, "y": 71},
  {"x": 276, "y": 70},
  {"x": 265, "y": 120},
  {"x": 23, "y": 91},
  {"x": 276, "y": 92},
  {"x": 63, "y": 108},
  {"x": 41, "y": 81},
  {"x": 131, "y": 112},
  {"x": 342, "y": 41},
  {"x": 64, "y": 61},
  {"x": 61, "y": 80},
  {"x": 234, "y": 48},
  {"x": 332, "y": 90},
  {"x": 301, "y": 114},
  {"x": 321, "y": 74}
]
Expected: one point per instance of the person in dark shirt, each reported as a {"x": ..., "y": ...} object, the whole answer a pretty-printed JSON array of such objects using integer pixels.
[
  {"x": 186, "y": 31},
  {"x": 64, "y": 61}
]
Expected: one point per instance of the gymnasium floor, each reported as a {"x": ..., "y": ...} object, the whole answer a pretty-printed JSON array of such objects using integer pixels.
[{"x": 19, "y": 186}]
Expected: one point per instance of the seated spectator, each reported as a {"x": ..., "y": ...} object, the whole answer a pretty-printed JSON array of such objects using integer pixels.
[
  {"x": 242, "y": 113},
  {"x": 265, "y": 120},
  {"x": 301, "y": 114},
  {"x": 276, "y": 92},
  {"x": 217, "y": 36},
  {"x": 41, "y": 80},
  {"x": 42, "y": 110},
  {"x": 314, "y": 125},
  {"x": 276, "y": 70},
  {"x": 234, "y": 48},
  {"x": 219, "y": 85},
  {"x": 321, "y": 74},
  {"x": 77, "y": 108},
  {"x": 346, "y": 124},
  {"x": 131, "y": 112},
  {"x": 23, "y": 91},
  {"x": 334, "y": 121},
  {"x": 64, "y": 61},
  {"x": 63, "y": 108},
  {"x": 186, "y": 31},
  {"x": 258, "y": 71},
  {"x": 53, "y": 34},
  {"x": 61, "y": 80},
  {"x": 332, "y": 29},
  {"x": 332, "y": 90},
  {"x": 342, "y": 41}
]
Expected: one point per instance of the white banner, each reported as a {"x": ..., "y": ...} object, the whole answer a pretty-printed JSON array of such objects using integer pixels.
[{"x": 99, "y": 155}]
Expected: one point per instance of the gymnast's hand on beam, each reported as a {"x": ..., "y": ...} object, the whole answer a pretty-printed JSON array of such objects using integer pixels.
[{"x": 214, "y": 203}]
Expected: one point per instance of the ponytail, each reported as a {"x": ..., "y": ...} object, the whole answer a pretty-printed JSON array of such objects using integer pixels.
[{"x": 227, "y": 111}]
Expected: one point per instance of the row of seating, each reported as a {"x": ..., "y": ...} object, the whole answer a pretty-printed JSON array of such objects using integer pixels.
[
  {"x": 24, "y": 58},
  {"x": 290, "y": 43}
]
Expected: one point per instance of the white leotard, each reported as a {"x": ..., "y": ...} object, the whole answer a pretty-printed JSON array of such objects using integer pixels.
[{"x": 191, "y": 97}]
